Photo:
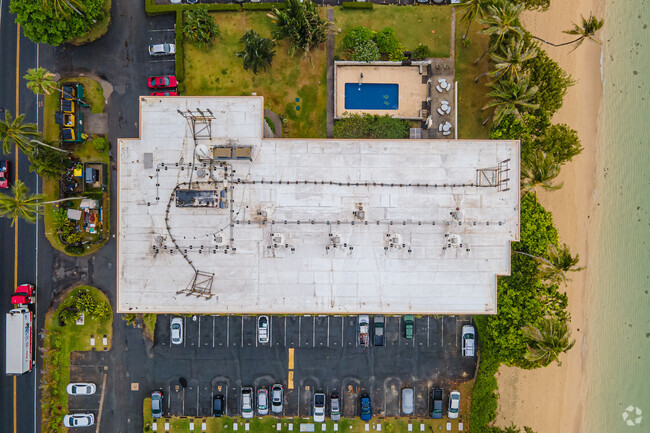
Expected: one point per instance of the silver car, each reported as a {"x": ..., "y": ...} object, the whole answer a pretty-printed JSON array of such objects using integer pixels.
[
  {"x": 454, "y": 405},
  {"x": 468, "y": 340},
  {"x": 319, "y": 407},
  {"x": 407, "y": 401},
  {"x": 247, "y": 402},
  {"x": 277, "y": 398},
  {"x": 263, "y": 401},
  {"x": 162, "y": 49},
  {"x": 79, "y": 420},
  {"x": 177, "y": 330},
  {"x": 335, "y": 406}
]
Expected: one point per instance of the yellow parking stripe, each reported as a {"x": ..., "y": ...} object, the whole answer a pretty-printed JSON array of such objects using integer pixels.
[
  {"x": 290, "y": 380},
  {"x": 291, "y": 358}
]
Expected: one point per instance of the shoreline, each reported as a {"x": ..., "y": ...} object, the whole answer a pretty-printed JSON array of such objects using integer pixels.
[{"x": 523, "y": 394}]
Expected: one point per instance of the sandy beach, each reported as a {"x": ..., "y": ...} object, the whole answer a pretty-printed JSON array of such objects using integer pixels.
[{"x": 552, "y": 400}]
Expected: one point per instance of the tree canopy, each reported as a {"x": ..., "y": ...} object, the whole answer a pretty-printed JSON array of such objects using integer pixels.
[
  {"x": 300, "y": 23},
  {"x": 199, "y": 26},
  {"x": 49, "y": 22},
  {"x": 551, "y": 81},
  {"x": 258, "y": 51}
]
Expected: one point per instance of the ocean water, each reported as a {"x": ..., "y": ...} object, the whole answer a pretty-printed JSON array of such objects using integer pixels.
[{"x": 618, "y": 360}]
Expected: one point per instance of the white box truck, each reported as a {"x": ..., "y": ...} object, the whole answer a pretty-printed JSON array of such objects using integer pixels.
[{"x": 19, "y": 341}]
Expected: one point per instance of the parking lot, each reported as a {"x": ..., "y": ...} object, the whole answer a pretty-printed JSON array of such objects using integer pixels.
[{"x": 306, "y": 354}]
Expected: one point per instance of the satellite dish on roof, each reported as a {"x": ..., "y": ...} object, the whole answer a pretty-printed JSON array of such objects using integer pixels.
[{"x": 202, "y": 151}]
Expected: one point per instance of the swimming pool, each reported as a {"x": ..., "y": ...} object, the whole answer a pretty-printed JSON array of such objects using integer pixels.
[{"x": 371, "y": 96}]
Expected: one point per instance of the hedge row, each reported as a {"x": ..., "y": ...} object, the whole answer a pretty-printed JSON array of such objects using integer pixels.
[
  {"x": 484, "y": 395},
  {"x": 154, "y": 9},
  {"x": 357, "y": 5},
  {"x": 180, "y": 64},
  {"x": 262, "y": 6}
]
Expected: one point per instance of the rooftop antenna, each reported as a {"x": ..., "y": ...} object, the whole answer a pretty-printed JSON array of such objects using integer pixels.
[
  {"x": 200, "y": 286},
  {"x": 200, "y": 122}
]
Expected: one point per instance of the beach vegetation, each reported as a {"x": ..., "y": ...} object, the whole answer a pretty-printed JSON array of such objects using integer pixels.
[
  {"x": 53, "y": 22},
  {"x": 258, "y": 52},
  {"x": 199, "y": 27},
  {"x": 559, "y": 262},
  {"x": 371, "y": 126},
  {"x": 301, "y": 24},
  {"x": 551, "y": 80},
  {"x": 472, "y": 10},
  {"x": 586, "y": 30},
  {"x": 548, "y": 339},
  {"x": 510, "y": 97},
  {"x": 541, "y": 5},
  {"x": 501, "y": 22},
  {"x": 539, "y": 170},
  {"x": 509, "y": 61}
]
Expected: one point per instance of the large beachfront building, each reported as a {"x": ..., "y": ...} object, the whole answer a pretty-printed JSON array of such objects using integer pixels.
[{"x": 215, "y": 218}]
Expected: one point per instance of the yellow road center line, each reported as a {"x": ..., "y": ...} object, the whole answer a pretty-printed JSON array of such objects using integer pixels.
[
  {"x": 291, "y": 358},
  {"x": 15, "y": 179}
]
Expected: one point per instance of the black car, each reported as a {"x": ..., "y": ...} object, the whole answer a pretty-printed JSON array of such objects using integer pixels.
[
  {"x": 436, "y": 403},
  {"x": 217, "y": 405}
]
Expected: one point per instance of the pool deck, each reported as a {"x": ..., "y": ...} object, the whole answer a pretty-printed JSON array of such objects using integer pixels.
[{"x": 412, "y": 87}]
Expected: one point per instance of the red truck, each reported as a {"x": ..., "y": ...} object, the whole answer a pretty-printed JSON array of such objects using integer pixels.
[{"x": 24, "y": 295}]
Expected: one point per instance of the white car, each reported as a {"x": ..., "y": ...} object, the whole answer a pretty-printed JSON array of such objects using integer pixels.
[
  {"x": 177, "y": 330},
  {"x": 263, "y": 401},
  {"x": 319, "y": 407},
  {"x": 81, "y": 388},
  {"x": 454, "y": 405},
  {"x": 247, "y": 402},
  {"x": 162, "y": 49},
  {"x": 468, "y": 340},
  {"x": 79, "y": 420},
  {"x": 263, "y": 329}
]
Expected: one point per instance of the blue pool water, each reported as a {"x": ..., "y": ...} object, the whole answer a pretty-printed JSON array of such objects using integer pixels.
[{"x": 371, "y": 96}]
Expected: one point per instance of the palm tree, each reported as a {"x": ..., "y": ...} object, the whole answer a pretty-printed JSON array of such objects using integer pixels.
[
  {"x": 560, "y": 261},
  {"x": 23, "y": 204},
  {"x": 63, "y": 7},
  {"x": 471, "y": 10},
  {"x": 48, "y": 161},
  {"x": 510, "y": 97},
  {"x": 539, "y": 169},
  {"x": 510, "y": 61},
  {"x": 15, "y": 132},
  {"x": 587, "y": 31},
  {"x": 502, "y": 21},
  {"x": 258, "y": 51},
  {"x": 299, "y": 21},
  {"x": 41, "y": 81},
  {"x": 550, "y": 338}
]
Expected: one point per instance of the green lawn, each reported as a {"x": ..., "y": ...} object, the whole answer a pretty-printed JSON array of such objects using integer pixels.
[
  {"x": 471, "y": 95},
  {"x": 413, "y": 25},
  {"x": 68, "y": 338},
  {"x": 217, "y": 71},
  {"x": 96, "y": 31}
]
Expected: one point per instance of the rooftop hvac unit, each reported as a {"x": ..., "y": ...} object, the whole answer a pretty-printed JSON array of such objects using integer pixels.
[
  {"x": 277, "y": 238},
  {"x": 202, "y": 152},
  {"x": 454, "y": 241},
  {"x": 458, "y": 215}
]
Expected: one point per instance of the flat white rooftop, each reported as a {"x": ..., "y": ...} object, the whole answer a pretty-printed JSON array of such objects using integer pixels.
[{"x": 308, "y": 225}]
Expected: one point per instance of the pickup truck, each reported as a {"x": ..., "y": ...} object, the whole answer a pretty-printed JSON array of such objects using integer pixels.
[{"x": 436, "y": 398}]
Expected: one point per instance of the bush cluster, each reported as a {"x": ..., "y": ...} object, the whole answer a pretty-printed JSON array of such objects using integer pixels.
[
  {"x": 84, "y": 302},
  {"x": 364, "y": 45},
  {"x": 357, "y": 5},
  {"x": 100, "y": 144},
  {"x": 371, "y": 126}
]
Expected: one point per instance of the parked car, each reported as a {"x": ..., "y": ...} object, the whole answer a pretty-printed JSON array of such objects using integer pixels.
[
  {"x": 247, "y": 402},
  {"x": 263, "y": 329},
  {"x": 81, "y": 388},
  {"x": 164, "y": 94},
  {"x": 364, "y": 329},
  {"x": 454, "y": 405},
  {"x": 4, "y": 174},
  {"x": 263, "y": 401},
  {"x": 177, "y": 330},
  {"x": 407, "y": 401},
  {"x": 319, "y": 407},
  {"x": 162, "y": 82},
  {"x": 378, "y": 339},
  {"x": 157, "y": 399},
  {"x": 217, "y": 405},
  {"x": 468, "y": 339},
  {"x": 335, "y": 406},
  {"x": 409, "y": 321},
  {"x": 436, "y": 403},
  {"x": 366, "y": 409},
  {"x": 79, "y": 420},
  {"x": 162, "y": 49},
  {"x": 277, "y": 398}
]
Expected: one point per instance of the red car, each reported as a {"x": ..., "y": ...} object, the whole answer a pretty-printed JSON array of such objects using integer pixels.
[
  {"x": 162, "y": 82},
  {"x": 24, "y": 295},
  {"x": 164, "y": 94},
  {"x": 4, "y": 174}
]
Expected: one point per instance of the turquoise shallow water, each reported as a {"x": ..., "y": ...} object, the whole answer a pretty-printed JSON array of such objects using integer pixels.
[{"x": 618, "y": 359}]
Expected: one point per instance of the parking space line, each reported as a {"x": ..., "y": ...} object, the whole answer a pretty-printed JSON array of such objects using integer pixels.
[
  {"x": 242, "y": 331},
  {"x": 299, "y": 326},
  {"x": 428, "y": 317},
  {"x": 162, "y": 30},
  {"x": 328, "y": 331},
  {"x": 285, "y": 331},
  {"x": 442, "y": 333},
  {"x": 399, "y": 331},
  {"x": 228, "y": 332},
  {"x": 183, "y": 402},
  {"x": 271, "y": 331},
  {"x": 213, "y": 329},
  {"x": 256, "y": 331},
  {"x": 342, "y": 340},
  {"x": 226, "y": 405},
  {"x": 184, "y": 332},
  {"x": 101, "y": 404},
  {"x": 199, "y": 345},
  {"x": 313, "y": 331}
]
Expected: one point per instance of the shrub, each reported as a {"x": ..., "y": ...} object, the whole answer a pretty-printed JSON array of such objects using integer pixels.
[
  {"x": 153, "y": 9},
  {"x": 179, "y": 59},
  {"x": 371, "y": 126},
  {"x": 100, "y": 144},
  {"x": 365, "y": 51},
  {"x": 199, "y": 26},
  {"x": 484, "y": 398},
  {"x": 85, "y": 302},
  {"x": 388, "y": 44},
  {"x": 422, "y": 52},
  {"x": 74, "y": 249},
  {"x": 356, "y": 36},
  {"x": 101, "y": 310},
  {"x": 551, "y": 80},
  {"x": 357, "y": 5}
]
